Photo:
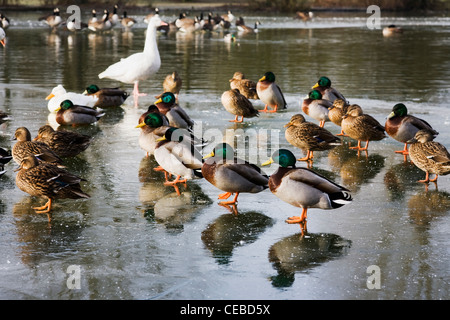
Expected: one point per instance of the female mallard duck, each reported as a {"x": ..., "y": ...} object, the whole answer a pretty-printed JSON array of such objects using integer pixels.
[
  {"x": 177, "y": 156},
  {"x": 172, "y": 83},
  {"x": 42, "y": 179},
  {"x": 59, "y": 94},
  {"x": 177, "y": 116},
  {"x": 336, "y": 112},
  {"x": 361, "y": 127},
  {"x": 232, "y": 175},
  {"x": 270, "y": 93},
  {"x": 309, "y": 136},
  {"x": 302, "y": 187},
  {"x": 153, "y": 126},
  {"x": 402, "y": 126},
  {"x": 316, "y": 107},
  {"x": 237, "y": 104},
  {"x": 106, "y": 97},
  {"x": 25, "y": 147},
  {"x": 245, "y": 86},
  {"x": 70, "y": 114},
  {"x": 323, "y": 85},
  {"x": 5, "y": 157},
  {"x": 63, "y": 143},
  {"x": 428, "y": 155}
]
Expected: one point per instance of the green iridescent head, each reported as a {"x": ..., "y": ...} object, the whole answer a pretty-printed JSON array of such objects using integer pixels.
[
  {"x": 324, "y": 82},
  {"x": 315, "y": 95},
  {"x": 168, "y": 97},
  {"x": 66, "y": 104},
  {"x": 92, "y": 89},
  {"x": 268, "y": 76},
  {"x": 399, "y": 110},
  {"x": 222, "y": 151},
  {"x": 283, "y": 157}
]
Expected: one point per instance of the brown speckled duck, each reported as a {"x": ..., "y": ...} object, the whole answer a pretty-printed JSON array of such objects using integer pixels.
[
  {"x": 45, "y": 180},
  {"x": 245, "y": 86},
  {"x": 361, "y": 127},
  {"x": 238, "y": 105},
  {"x": 107, "y": 97},
  {"x": 25, "y": 147},
  {"x": 428, "y": 155},
  {"x": 172, "y": 83},
  {"x": 336, "y": 112},
  {"x": 63, "y": 143},
  {"x": 402, "y": 126},
  {"x": 309, "y": 136}
]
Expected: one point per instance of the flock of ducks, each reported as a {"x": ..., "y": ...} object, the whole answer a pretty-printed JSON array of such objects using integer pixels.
[{"x": 166, "y": 134}]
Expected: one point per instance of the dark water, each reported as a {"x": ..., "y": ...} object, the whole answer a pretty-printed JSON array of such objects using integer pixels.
[{"x": 137, "y": 239}]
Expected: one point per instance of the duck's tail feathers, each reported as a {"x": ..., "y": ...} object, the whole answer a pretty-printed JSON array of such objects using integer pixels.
[
  {"x": 338, "y": 199},
  {"x": 198, "y": 173}
]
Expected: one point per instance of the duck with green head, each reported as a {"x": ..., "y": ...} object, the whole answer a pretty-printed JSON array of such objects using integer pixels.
[
  {"x": 153, "y": 126},
  {"x": 302, "y": 187},
  {"x": 176, "y": 115},
  {"x": 232, "y": 175},
  {"x": 428, "y": 155},
  {"x": 106, "y": 97},
  {"x": 70, "y": 114},
  {"x": 323, "y": 85},
  {"x": 316, "y": 107},
  {"x": 402, "y": 126},
  {"x": 270, "y": 93}
]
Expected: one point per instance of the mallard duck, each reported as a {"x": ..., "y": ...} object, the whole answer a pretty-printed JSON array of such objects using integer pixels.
[
  {"x": 336, "y": 112},
  {"x": 302, "y": 187},
  {"x": 127, "y": 22},
  {"x": 172, "y": 83},
  {"x": 177, "y": 156},
  {"x": 153, "y": 126},
  {"x": 232, "y": 175},
  {"x": 361, "y": 127},
  {"x": 316, "y": 107},
  {"x": 2, "y": 37},
  {"x": 5, "y": 157},
  {"x": 309, "y": 136},
  {"x": 25, "y": 147},
  {"x": 323, "y": 85},
  {"x": 63, "y": 143},
  {"x": 270, "y": 93},
  {"x": 53, "y": 20},
  {"x": 392, "y": 30},
  {"x": 238, "y": 105},
  {"x": 245, "y": 86},
  {"x": 70, "y": 114},
  {"x": 59, "y": 94},
  {"x": 428, "y": 155},
  {"x": 106, "y": 97},
  {"x": 42, "y": 179},
  {"x": 177, "y": 116},
  {"x": 402, "y": 126}
]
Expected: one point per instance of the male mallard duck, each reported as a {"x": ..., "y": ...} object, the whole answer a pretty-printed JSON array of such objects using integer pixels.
[
  {"x": 245, "y": 86},
  {"x": 172, "y": 83},
  {"x": 336, "y": 112},
  {"x": 153, "y": 126},
  {"x": 361, "y": 127},
  {"x": 177, "y": 156},
  {"x": 392, "y": 30},
  {"x": 428, "y": 155},
  {"x": 70, "y": 114},
  {"x": 25, "y": 147},
  {"x": 323, "y": 85},
  {"x": 316, "y": 107},
  {"x": 232, "y": 175},
  {"x": 53, "y": 20},
  {"x": 106, "y": 97},
  {"x": 177, "y": 116},
  {"x": 63, "y": 143},
  {"x": 309, "y": 136},
  {"x": 270, "y": 93},
  {"x": 5, "y": 157},
  {"x": 237, "y": 104},
  {"x": 402, "y": 126},
  {"x": 302, "y": 187},
  {"x": 59, "y": 94},
  {"x": 42, "y": 179}
]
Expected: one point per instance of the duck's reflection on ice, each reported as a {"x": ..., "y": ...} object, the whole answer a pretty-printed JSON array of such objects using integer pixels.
[
  {"x": 230, "y": 231},
  {"x": 299, "y": 253}
]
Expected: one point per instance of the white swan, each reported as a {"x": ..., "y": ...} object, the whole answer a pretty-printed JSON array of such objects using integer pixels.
[
  {"x": 59, "y": 94},
  {"x": 138, "y": 66},
  {"x": 2, "y": 37}
]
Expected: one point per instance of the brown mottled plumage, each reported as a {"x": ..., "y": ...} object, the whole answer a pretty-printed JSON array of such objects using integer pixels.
[
  {"x": 45, "y": 180},
  {"x": 238, "y": 105},
  {"x": 245, "y": 86},
  {"x": 428, "y": 155},
  {"x": 63, "y": 143},
  {"x": 336, "y": 112},
  {"x": 25, "y": 147},
  {"x": 172, "y": 83}
]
